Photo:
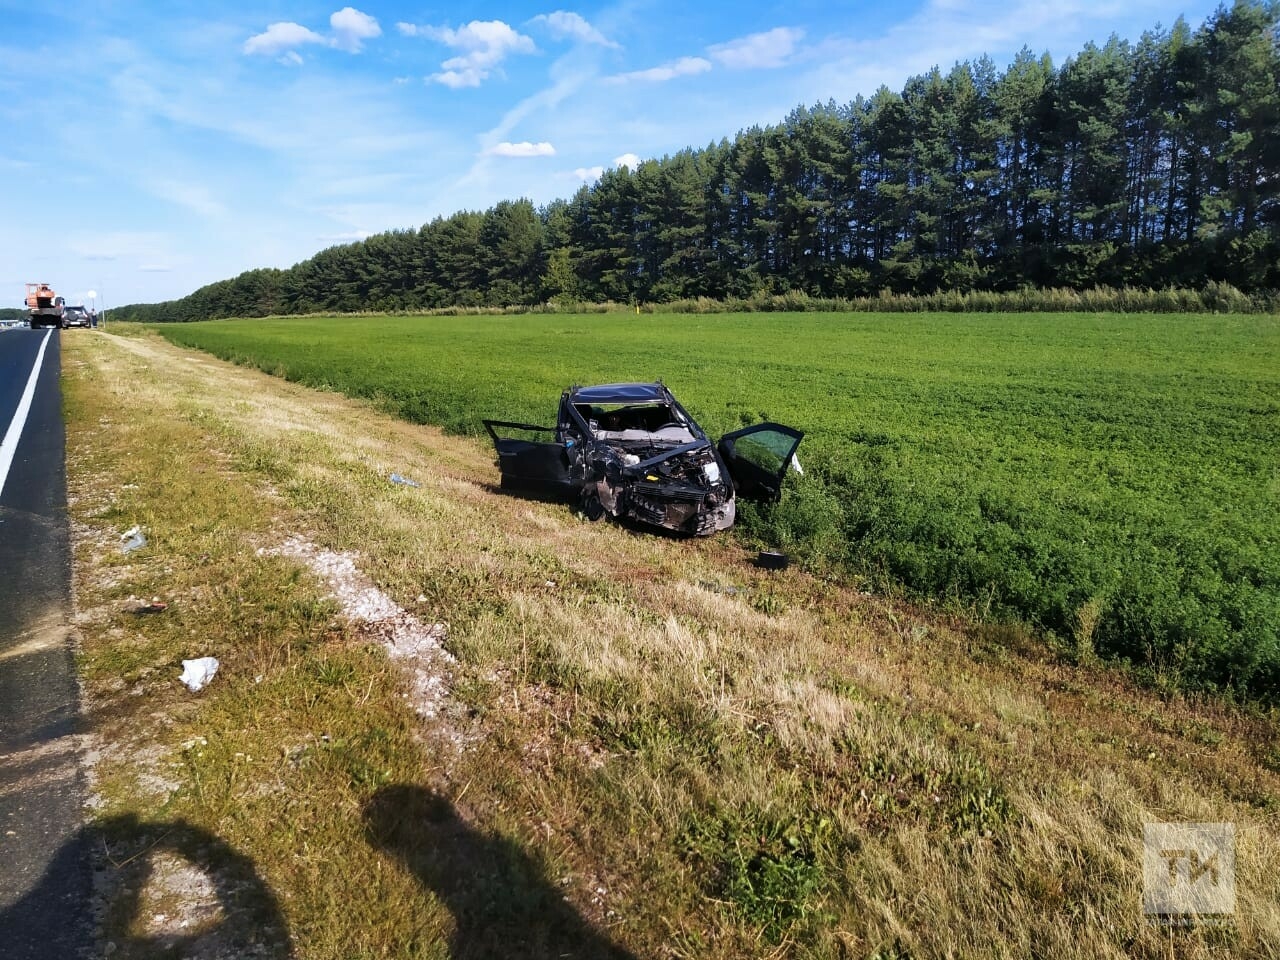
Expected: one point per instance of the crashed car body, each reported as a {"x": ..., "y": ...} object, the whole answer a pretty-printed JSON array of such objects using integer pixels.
[{"x": 629, "y": 450}]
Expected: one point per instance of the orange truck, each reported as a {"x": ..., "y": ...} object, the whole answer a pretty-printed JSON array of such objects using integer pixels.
[{"x": 44, "y": 307}]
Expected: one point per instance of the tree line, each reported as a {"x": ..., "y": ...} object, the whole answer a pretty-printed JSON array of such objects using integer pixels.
[{"x": 1150, "y": 164}]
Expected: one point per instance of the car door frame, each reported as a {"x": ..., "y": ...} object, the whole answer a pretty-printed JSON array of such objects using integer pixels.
[
  {"x": 543, "y": 468},
  {"x": 750, "y": 480}
]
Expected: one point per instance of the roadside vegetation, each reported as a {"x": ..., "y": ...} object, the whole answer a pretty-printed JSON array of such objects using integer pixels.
[
  {"x": 1109, "y": 480},
  {"x": 646, "y": 747}
]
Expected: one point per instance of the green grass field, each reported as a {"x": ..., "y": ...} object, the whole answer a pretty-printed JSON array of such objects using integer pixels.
[{"x": 1111, "y": 479}]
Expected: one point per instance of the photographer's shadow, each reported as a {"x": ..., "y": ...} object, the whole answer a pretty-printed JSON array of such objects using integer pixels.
[
  {"x": 220, "y": 905},
  {"x": 501, "y": 901}
]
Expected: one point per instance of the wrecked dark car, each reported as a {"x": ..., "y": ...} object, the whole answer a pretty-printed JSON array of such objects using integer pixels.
[{"x": 630, "y": 451}]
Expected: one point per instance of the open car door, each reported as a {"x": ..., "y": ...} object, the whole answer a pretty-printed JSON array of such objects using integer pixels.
[
  {"x": 757, "y": 458},
  {"x": 539, "y": 467}
]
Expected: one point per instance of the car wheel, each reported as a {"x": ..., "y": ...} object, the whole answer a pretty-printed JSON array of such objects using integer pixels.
[{"x": 591, "y": 507}]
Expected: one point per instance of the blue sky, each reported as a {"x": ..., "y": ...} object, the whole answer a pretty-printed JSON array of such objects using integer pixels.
[{"x": 151, "y": 148}]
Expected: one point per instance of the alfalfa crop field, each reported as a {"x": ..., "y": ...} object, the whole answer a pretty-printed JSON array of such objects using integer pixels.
[{"x": 1111, "y": 480}]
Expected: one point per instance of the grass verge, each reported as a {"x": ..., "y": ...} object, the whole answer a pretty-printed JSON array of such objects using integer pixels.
[{"x": 649, "y": 748}]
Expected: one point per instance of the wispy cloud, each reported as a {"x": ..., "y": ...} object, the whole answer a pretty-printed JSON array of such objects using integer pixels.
[
  {"x": 523, "y": 149},
  {"x": 484, "y": 45},
  {"x": 770, "y": 49},
  {"x": 351, "y": 29},
  {"x": 684, "y": 67},
  {"x": 193, "y": 196},
  {"x": 564, "y": 25},
  {"x": 121, "y": 245}
]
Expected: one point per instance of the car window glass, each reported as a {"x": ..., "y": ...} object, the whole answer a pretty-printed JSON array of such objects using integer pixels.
[{"x": 766, "y": 449}]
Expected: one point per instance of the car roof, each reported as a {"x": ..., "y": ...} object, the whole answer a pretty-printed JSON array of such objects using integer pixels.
[{"x": 619, "y": 393}]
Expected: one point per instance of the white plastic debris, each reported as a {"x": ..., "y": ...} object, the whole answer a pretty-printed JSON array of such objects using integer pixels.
[
  {"x": 404, "y": 481},
  {"x": 197, "y": 673},
  {"x": 133, "y": 539},
  {"x": 795, "y": 465}
]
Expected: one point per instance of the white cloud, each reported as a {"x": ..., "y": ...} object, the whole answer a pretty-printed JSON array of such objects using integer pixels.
[
  {"x": 759, "y": 50},
  {"x": 587, "y": 174},
  {"x": 483, "y": 44},
  {"x": 523, "y": 149},
  {"x": 684, "y": 67},
  {"x": 351, "y": 29},
  {"x": 456, "y": 79},
  {"x": 280, "y": 37},
  {"x": 564, "y": 25}
]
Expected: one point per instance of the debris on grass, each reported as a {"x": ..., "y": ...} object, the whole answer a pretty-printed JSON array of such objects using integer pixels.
[
  {"x": 143, "y": 607},
  {"x": 404, "y": 481},
  {"x": 772, "y": 560},
  {"x": 197, "y": 673},
  {"x": 133, "y": 540}
]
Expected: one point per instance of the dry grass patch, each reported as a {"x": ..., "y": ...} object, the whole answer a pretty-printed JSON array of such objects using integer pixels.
[{"x": 652, "y": 748}]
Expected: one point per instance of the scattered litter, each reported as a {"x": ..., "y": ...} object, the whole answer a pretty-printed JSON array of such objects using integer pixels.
[
  {"x": 727, "y": 590},
  {"x": 550, "y": 584},
  {"x": 404, "y": 481},
  {"x": 197, "y": 673},
  {"x": 142, "y": 607},
  {"x": 772, "y": 560},
  {"x": 133, "y": 540}
]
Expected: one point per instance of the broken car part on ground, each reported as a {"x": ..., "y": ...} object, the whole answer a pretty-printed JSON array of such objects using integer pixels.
[{"x": 631, "y": 451}]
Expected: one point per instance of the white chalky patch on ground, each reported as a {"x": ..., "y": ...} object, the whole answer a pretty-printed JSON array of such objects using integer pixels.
[
  {"x": 186, "y": 894},
  {"x": 407, "y": 639}
]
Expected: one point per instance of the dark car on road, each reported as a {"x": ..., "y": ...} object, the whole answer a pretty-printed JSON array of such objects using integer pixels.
[
  {"x": 76, "y": 317},
  {"x": 631, "y": 451}
]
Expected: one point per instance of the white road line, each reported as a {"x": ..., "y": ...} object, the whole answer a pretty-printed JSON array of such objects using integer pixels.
[{"x": 14, "y": 433}]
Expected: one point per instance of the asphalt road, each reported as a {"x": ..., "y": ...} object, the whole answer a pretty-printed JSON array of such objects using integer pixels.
[{"x": 44, "y": 874}]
